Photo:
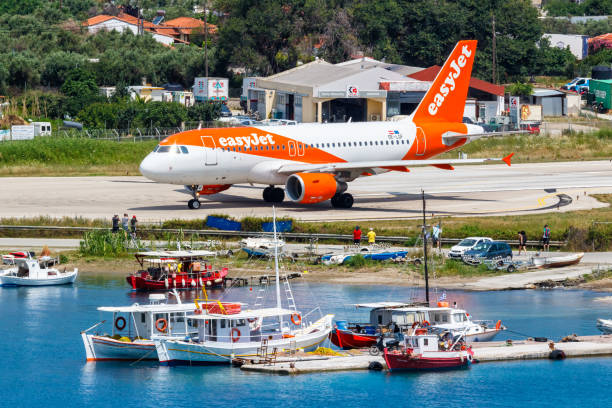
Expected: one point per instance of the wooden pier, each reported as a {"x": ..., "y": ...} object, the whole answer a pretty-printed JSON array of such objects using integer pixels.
[{"x": 586, "y": 346}]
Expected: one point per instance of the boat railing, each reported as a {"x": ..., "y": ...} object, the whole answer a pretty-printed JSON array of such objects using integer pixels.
[{"x": 304, "y": 317}]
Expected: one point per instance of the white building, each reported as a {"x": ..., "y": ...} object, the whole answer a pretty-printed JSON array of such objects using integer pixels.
[
  {"x": 124, "y": 22},
  {"x": 576, "y": 43}
]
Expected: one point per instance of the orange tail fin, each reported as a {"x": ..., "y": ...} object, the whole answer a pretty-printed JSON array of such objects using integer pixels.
[{"x": 445, "y": 100}]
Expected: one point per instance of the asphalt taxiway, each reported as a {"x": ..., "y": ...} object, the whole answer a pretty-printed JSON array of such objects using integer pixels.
[{"x": 466, "y": 191}]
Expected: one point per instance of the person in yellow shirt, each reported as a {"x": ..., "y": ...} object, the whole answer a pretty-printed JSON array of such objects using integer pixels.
[{"x": 371, "y": 236}]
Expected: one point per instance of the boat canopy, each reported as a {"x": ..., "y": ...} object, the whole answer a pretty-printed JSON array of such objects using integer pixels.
[
  {"x": 159, "y": 308},
  {"x": 175, "y": 254},
  {"x": 384, "y": 304},
  {"x": 246, "y": 314}
]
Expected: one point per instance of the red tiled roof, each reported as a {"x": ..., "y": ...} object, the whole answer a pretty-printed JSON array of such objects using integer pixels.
[
  {"x": 126, "y": 18},
  {"x": 187, "y": 24},
  {"x": 429, "y": 74}
]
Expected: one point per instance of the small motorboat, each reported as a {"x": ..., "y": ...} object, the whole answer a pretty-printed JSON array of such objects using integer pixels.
[
  {"x": 605, "y": 326},
  {"x": 422, "y": 351},
  {"x": 29, "y": 272},
  {"x": 375, "y": 255},
  {"x": 354, "y": 337},
  {"x": 262, "y": 246},
  {"x": 168, "y": 270},
  {"x": 557, "y": 261}
]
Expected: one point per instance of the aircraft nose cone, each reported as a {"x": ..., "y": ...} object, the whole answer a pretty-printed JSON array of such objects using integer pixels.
[{"x": 149, "y": 168}]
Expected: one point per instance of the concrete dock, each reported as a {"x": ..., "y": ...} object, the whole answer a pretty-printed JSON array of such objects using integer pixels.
[{"x": 586, "y": 346}]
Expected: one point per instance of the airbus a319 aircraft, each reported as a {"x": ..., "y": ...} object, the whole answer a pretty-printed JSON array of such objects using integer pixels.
[{"x": 314, "y": 162}]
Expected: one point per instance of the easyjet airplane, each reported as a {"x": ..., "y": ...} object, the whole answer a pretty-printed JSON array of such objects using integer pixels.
[{"x": 315, "y": 161}]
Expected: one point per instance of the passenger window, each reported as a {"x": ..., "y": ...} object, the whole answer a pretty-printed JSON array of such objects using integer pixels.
[
  {"x": 379, "y": 319},
  {"x": 223, "y": 324},
  {"x": 344, "y": 144},
  {"x": 359, "y": 143},
  {"x": 142, "y": 318},
  {"x": 184, "y": 149},
  {"x": 376, "y": 142}
]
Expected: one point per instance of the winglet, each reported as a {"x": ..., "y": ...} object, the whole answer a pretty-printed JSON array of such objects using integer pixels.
[{"x": 508, "y": 159}]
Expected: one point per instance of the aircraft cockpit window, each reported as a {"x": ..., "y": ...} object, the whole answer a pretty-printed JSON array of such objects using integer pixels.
[
  {"x": 156, "y": 147},
  {"x": 184, "y": 149},
  {"x": 163, "y": 149}
]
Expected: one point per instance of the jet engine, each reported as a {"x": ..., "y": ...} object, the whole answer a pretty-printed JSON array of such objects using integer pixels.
[{"x": 310, "y": 188}]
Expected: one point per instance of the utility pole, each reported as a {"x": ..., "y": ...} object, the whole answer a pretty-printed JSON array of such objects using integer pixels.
[
  {"x": 205, "y": 39},
  {"x": 425, "y": 250},
  {"x": 494, "y": 52}
]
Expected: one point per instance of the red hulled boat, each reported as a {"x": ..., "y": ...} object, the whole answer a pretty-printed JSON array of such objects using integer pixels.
[
  {"x": 169, "y": 270},
  {"x": 347, "y": 339}
]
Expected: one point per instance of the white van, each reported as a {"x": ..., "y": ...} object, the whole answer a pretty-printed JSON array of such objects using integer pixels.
[{"x": 42, "y": 128}]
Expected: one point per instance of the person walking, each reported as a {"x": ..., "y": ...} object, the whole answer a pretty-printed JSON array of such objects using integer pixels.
[
  {"x": 371, "y": 237},
  {"x": 115, "y": 221},
  {"x": 546, "y": 238},
  {"x": 522, "y": 239},
  {"x": 357, "y": 235},
  {"x": 133, "y": 223}
]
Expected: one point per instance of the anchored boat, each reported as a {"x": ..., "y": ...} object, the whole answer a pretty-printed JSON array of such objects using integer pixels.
[
  {"x": 262, "y": 246},
  {"x": 30, "y": 272},
  {"x": 423, "y": 351},
  {"x": 168, "y": 270},
  {"x": 133, "y": 328},
  {"x": 557, "y": 261}
]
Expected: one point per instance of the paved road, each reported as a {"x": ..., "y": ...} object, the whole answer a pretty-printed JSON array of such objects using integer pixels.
[{"x": 468, "y": 190}]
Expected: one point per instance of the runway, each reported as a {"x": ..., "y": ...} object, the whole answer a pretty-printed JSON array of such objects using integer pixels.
[{"x": 466, "y": 191}]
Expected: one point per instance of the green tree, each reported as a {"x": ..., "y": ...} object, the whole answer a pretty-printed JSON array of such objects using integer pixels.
[
  {"x": 204, "y": 112},
  {"x": 161, "y": 114},
  {"x": 80, "y": 89}
]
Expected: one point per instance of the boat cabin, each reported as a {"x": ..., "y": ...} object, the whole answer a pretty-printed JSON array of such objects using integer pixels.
[
  {"x": 245, "y": 326},
  {"x": 388, "y": 313},
  {"x": 421, "y": 343},
  {"x": 447, "y": 315},
  {"x": 161, "y": 264},
  {"x": 30, "y": 268},
  {"x": 155, "y": 319}
]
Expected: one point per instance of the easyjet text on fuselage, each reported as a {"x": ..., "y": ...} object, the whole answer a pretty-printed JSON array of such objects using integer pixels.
[{"x": 252, "y": 140}]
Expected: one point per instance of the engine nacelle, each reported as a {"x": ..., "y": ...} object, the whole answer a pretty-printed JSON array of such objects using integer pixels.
[{"x": 310, "y": 188}]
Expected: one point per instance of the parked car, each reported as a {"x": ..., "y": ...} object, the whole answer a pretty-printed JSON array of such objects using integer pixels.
[
  {"x": 225, "y": 111},
  {"x": 278, "y": 122},
  {"x": 532, "y": 128},
  {"x": 489, "y": 250},
  {"x": 457, "y": 251},
  {"x": 575, "y": 84}
]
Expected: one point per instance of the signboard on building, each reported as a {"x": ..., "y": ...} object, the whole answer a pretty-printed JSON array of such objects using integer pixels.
[
  {"x": 22, "y": 132},
  {"x": 352, "y": 91},
  {"x": 514, "y": 109},
  {"x": 217, "y": 89},
  {"x": 531, "y": 113}
]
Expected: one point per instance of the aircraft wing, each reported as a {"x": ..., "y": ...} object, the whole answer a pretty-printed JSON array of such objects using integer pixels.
[
  {"x": 450, "y": 138},
  {"x": 335, "y": 167}
]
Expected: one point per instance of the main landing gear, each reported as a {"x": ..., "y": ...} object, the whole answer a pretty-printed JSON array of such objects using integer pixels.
[
  {"x": 194, "y": 203},
  {"x": 273, "y": 194},
  {"x": 344, "y": 200}
]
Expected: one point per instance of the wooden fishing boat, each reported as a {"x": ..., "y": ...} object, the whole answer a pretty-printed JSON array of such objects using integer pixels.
[
  {"x": 167, "y": 270},
  {"x": 557, "y": 261},
  {"x": 423, "y": 351},
  {"x": 29, "y": 272}
]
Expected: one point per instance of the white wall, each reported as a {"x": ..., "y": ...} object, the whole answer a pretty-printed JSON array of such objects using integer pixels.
[
  {"x": 577, "y": 43},
  {"x": 122, "y": 26}
]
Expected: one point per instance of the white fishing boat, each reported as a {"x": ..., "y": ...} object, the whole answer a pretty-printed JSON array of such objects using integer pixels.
[
  {"x": 459, "y": 323},
  {"x": 227, "y": 331},
  {"x": 133, "y": 328},
  {"x": 262, "y": 246},
  {"x": 605, "y": 326},
  {"x": 29, "y": 272},
  {"x": 557, "y": 261}
]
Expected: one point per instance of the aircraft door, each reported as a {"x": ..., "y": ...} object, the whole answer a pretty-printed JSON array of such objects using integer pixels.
[
  {"x": 210, "y": 151},
  {"x": 292, "y": 148},
  {"x": 420, "y": 142}
]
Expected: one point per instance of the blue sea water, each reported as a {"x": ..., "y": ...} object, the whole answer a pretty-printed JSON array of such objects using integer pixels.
[{"x": 43, "y": 360}]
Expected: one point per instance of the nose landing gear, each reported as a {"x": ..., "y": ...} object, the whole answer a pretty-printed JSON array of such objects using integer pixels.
[
  {"x": 194, "y": 203},
  {"x": 273, "y": 194}
]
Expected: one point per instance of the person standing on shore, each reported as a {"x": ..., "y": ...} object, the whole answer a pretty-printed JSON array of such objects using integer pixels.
[
  {"x": 546, "y": 238},
  {"x": 371, "y": 237},
  {"x": 357, "y": 235},
  {"x": 522, "y": 239},
  {"x": 115, "y": 221},
  {"x": 436, "y": 232},
  {"x": 124, "y": 224},
  {"x": 133, "y": 223}
]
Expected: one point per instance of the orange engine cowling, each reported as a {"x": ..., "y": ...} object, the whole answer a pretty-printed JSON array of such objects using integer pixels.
[
  {"x": 310, "y": 188},
  {"x": 213, "y": 189}
]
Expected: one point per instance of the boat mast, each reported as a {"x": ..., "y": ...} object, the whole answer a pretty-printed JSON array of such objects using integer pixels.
[
  {"x": 277, "y": 279},
  {"x": 425, "y": 250}
]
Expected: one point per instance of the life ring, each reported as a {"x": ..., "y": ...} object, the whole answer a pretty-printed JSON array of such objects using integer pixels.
[
  {"x": 198, "y": 311},
  {"x": 122, "y": 325},
  {"x": 426, "y": 323},
  {"x": 296, "y": 319},
  {"x": 163, "y": 327},
  {"x": 235, "y": 335}
]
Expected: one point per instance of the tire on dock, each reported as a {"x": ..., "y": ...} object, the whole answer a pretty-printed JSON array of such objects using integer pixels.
[{"x": 375, "y": 366}]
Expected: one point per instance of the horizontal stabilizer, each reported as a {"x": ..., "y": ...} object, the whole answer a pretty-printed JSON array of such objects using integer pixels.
[{"x": 450, "y": 138}]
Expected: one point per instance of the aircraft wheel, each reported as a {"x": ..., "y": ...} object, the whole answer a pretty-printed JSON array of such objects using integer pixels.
[
  {"x": 346, "y": 200},
  {"x": 193, "y": 204},
  {"x": 278, "y": 195},
  {"x": 334, "y": 201},
  {"x": 268, "y": 194}
]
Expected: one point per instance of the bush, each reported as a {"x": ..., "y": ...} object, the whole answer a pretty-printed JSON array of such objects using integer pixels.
[
  {"x": 103, "y": 243},
  {"x": 355, "y": 261}
]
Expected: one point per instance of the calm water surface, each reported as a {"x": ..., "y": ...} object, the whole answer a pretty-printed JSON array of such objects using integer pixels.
[{"x": 43, "y": 361}]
